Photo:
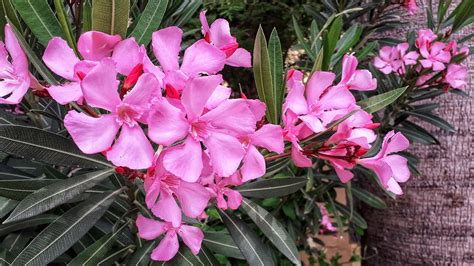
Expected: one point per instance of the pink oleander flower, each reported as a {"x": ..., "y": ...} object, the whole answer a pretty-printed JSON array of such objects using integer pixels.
[
  {"x": 356, "y": 79},
  {"x": 129, "y": 56},
  {"x": 390, "y": 168},
  {"x": 358, "y": 129},
  {"x": 162, "y": 187},
  {"x": 343, "y": 157},
  {"x": 411, "y": 6},
  {"x": 150, "y": 229},
  {"x": 14, "y": 74},
  {"x": 325, "y": 221},
  {"x": 435, "y": 56},
  {"x": 456, "y": 76},
  {"x": 220, "y": 189},
  {"x": 219, "y": 36},
  {"x": 201, "y": 57},
  {"x": 425, "y": 38},
  {"x": 96, "y": 134},
  {"x": 61, "y": 59},
  {"x": 218, "y": 129},
  {"x": 395, "y": 58}
]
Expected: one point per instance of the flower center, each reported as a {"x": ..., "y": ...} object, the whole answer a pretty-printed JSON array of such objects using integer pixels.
[
  {"x": 128, "y": 114},
  {"x": 200, "y": 130}
]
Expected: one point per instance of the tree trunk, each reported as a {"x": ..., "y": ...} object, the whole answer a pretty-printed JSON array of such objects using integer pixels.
[{"x": 432, "y": 223}]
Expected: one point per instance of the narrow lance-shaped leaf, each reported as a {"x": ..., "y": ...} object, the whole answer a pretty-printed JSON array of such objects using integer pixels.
[
  {"x": 149, "y": 20},
  {"x": 272, "y": 229},
  {"x": 186, "y": 257},
  {"x": 34, "y": 221},
  {"x": 110, "y": 16},
  {"x": 263, "y": 75},
  {"x": 276, "y": 66},
  {"x": 222, "y": 243},
  {"x": 67, "y": 30},
  {"x": 10, "y": 13},
  {"x": 251, "y": 246},
  {"x": 37, "y": 144},
  {"x": 65, "y": 231},
  {"x": 93, "y": 254},
  {"x": 432, "y": 119},
  {"x": 56, "y": 194},
  {"x": 330, "y": 41},
  {"x": 275, "y": 187},
  {"x": 368, "y": 198},
  {"x": 378, "y": 102},
  {"x": 18, "y": 189},
  {"x": 141, "y": 256},
  {"x": 301, "y": 39},
  {"x": 39, "y": 17}
]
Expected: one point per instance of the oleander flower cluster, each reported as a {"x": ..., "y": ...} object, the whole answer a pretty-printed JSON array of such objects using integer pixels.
[
  {"x": 433, "y": 62},
  {"x": 174, "y": 122}
]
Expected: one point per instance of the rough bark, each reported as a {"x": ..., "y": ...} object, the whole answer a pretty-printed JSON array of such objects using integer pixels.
[{"x": 433, "y": 222}]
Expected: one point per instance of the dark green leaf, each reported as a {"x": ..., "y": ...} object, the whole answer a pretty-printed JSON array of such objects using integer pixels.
[
  {"x": 302, "y": 41},
  {"x": 251, "y": 246},
  {"x": 56, "y": 194},
  {"x": 36, "y": 144},
  {"x": 275, "y": 187},
  {"x": 276, "y": 66},
  {"x": 63, "y": 20},
  {"x": 10, "y": 12},
  {"x": 6, "y": 206},
  {"x": 31, "y": 222},
  {"x": 463, "y": 12},
  {"x": 18, "y": 189},
  {"x": 263, "y": 76},
  {"x": 432, "y": 119},
  {"x": 356, "y": 218},
  {"x": 330, "y": 41},
  {"x": 65, "y": 231},
  {"x": 368, "y": 198},
  {"x": 272, "y": 229},
  {"x": 377, "y": 102},
  {"x": 149, "y": 21},
  {"x": 39, "y": 17},
  {"x": 110, "y": 16},
  {"x": 142, "y": 255},
  {"x": 222, "y": 243}
]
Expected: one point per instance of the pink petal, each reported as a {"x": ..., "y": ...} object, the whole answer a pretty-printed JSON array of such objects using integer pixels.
[
  {"x": 192, "y": 237},
  {"x": 167, "y": 209},
  {"x": 257, "y": 107},
  {"x": 167, "y": 248},
  {"x": 253, "y": 165},
  {"x": 232, "y": 115},
  {"x": 193, "y": 198},
  {"x": 167, "y": 124},
  {"x": 177, "y": 79},
  {"x": 270, "y": 137},
  {"x": 317, "y": 84},
  {"x": 343, "y": 174},
  {"x": 66, "y": 93},
  {"x": 201, "y": 57},
  {"x": 100, "y": 86},
  {"x": 149, "y": 67},
  {"x": 185, "y": 160},
  {"x": 234, "y": 199},
  {"x": 240, "y": 58},
  {"x": 204, "y": 24},
  {"x": 399, "y": 166},
  {"x": 127, "y": 55},
  {"x": 337, "y": 97},
  {"x": 219, "y": 95},
  {"x": 95, "y": 45},
  {"x": 166, "y": 45},
  {"x": 17, "y": 55},
  {"x": 394, "y": 187},
  {"x": 313, "y": 123},
  {"x": 132, "y": 149},
  {"x": 60, "y": 58},
  {"x": 226, "y": 153},
  {"x": 197, "y": 93},
  {"x": 299, "y": 158},
  {"x": 398, "y": 142},
  {"x": 149, "y": 229},
  {"x": 92, "y": 135},
  {"x": 220, "y": 33},
  {"x": 18, "y": 90},
  {"x": 142, "y": 91},
  {"x": 362, "y": 81},
  {"x": 349, "y": 66},
  {"x": 153, "y": 189},
  {"x": 295, "y": 100}
]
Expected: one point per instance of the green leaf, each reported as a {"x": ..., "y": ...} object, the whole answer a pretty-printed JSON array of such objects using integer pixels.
[
  {"x": 418, "y": 134},
  {"x": 276, "y": 66},
  {"x": 31, "y": 222},
  {"x": 6, "y": 257},
  {"x": 330, "y": 41},
  {"x": 356, "y": 218},
  {"x": 378, "y": 102},
  {"x": 301, "y": 40},
  {"x": 251, "y": 246},
  {"x": 149, "y": 21},
  {"x": 39, "y": 17},
  {"x": 276, "y": 187},
  {"x": 87, "y": 15},
  {"x": 6, "y": 206},
  {"x": 272, "y": 229},
  {"x": 222, "y": 243},
  {"x": 56, "y": 194},
  {"x": 432, "y": 119},
  {"x": 117, "y": 255},
  {"x": 93, "y": 254},
  {"x": 36, "y": 144},
  {"x": 188, "y": 9},
  {"x": 368, "y": 198},
  {"x": 63, "y": 20},
  {"x": 141, "y": 256},
  {"x": 65, "y": 231},
  {"x": 463, "y": 12},
  {"x": 110, "y": 16},
  {"x": 34, "y": 60},
  {"x": 10, "y": 12},
  {"x": 347, "y": 41},
  {"x": 18, "y": 189},
  {"x": 263, "y": 76},
  {"x": 186, "y": 257}
]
